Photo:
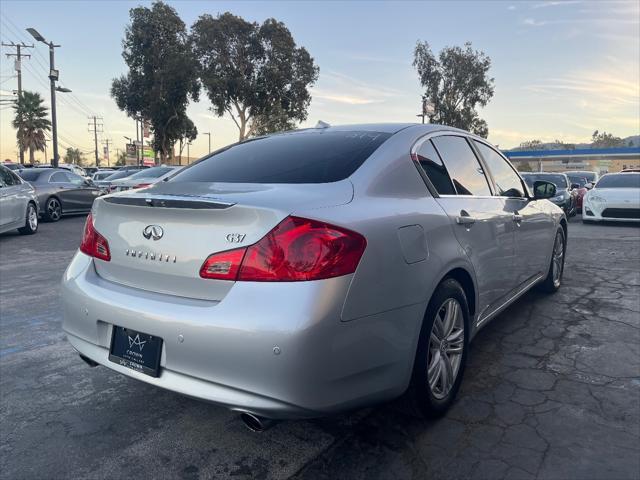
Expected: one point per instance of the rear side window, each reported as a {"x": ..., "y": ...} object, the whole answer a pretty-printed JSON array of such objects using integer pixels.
[
  {"x": 432, "y": 165},
  {"x": 507, "y": 181},
  {"x": 464, "y": 169},
  {"x": 299, "y": 157}
]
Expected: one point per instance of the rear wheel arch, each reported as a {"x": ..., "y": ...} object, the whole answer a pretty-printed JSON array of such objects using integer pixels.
[{"x": 464, "y": 278}]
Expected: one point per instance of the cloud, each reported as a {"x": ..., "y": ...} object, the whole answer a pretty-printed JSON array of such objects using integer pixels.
[
  {"x": 340, "y": 88},
  {"x": 511, "y": 7},
  {"x": 555, "y": 3}
]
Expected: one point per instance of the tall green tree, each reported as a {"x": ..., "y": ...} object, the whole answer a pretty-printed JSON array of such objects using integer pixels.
[
  {"x": 254, "y": 73},
  {"x": 605, "y": 140},
  {"x": 162, "y": 75},
  {"x": 31, "y": 123},
  {"x": 456, "y": 82},
  {"x": 74, "y": 156}
]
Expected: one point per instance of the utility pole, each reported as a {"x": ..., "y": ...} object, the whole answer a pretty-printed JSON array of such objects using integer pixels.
[
  {"x": 188, "y": 156},
  {"x": 106, "y": 144},
  {"x": 209, "y": 135},
  {"x": 96, "y": 128},
  {"x": 18, "y": 66},
  {"x": 53, "y": 77}
]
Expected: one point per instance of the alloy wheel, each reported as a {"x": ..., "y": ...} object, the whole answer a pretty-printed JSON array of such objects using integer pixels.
[
  {"x": 446, "y": 346},
  {"x": 32, "y": 218},
  {"x": 54, "y": 210},
  {"x": 558, "y": 259}
]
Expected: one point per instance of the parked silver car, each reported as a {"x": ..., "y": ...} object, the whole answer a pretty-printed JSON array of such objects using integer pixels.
[
  {"x": 60, "y": 191},
  {"x": 308, "y": 272},
  {"x": 18, "y": 204}
]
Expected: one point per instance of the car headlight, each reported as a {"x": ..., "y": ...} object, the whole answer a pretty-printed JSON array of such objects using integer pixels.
[{"x": 596, "y": 199}]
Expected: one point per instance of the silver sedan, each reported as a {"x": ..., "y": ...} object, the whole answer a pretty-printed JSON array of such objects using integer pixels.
[
  {"x": 309, "y": 272},
  {"x": 18, "y": 204}
]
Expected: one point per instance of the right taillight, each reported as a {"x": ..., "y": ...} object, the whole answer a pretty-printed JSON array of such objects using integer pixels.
[
  {"x": 297, "y": 249},
  {"x": 94, "y": 244}
]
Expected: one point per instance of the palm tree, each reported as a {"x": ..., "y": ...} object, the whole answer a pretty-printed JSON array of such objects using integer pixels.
[
  {"x": 74, "y": 156},
  {"x": 31, "y": 122}
]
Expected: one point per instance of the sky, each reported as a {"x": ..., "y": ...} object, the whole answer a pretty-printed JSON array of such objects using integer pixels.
[{"x": 562, "y": 69}]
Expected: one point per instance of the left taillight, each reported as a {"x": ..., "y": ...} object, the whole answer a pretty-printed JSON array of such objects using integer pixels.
[{"x": 94, "y": 244}]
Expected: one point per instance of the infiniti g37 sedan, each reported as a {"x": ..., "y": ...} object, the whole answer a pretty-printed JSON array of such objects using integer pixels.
[
  {"x": 18, "y": 204},
  {"x": 308, "y": 272}
]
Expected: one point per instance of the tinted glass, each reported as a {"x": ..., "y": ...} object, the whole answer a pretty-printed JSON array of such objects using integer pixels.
[
  {"x": 5, "y": 177},
  {"x": 154, "y": 172},
  {"x": 463, "y": 166},
  {"x": 577, "y": 179},
  {"x": 506, "y": 179},
  {"x": 101, "y": 175},
  {"x": 302, "y": 157},
  {"x": 117, "y": 175},
  {"x": 623, "y": 180},
  {"x": 58, "y": 177},
  {"x": 31, "y": 175},
  {"x": 75, "y": 179},
  {"x": 560, "y": 181},
  {"x": 432, "y": 165}
]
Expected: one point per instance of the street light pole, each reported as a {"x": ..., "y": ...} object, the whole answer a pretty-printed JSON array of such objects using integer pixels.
[
  {"x": 53, "y": 77},
  {"x": 209, "y": 135}
]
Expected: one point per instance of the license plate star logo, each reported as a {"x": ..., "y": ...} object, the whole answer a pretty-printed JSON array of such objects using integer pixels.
[{"x": 137, "y": 341}]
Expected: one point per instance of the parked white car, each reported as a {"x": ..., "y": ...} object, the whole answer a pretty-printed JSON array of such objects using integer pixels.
[{"x": 615, "y": 198}]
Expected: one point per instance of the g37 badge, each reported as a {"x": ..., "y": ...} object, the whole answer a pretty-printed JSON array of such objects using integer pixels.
[{"x": 236, "y": 237}]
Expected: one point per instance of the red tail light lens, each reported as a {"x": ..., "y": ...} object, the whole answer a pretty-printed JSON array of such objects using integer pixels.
[
  {"x": 142, "y": 185},
  {"x": 297, "y": 249},
  {"x": 94, "y": 244},
  {"x": 223, "y": 265}
]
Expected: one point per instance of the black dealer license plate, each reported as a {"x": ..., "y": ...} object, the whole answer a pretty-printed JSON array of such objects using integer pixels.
[{"x": 136, "y": 350}]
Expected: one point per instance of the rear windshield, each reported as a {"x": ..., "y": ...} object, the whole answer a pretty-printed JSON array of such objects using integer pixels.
[
  {"x": 558, "y": 180},
  {"x": 622, "y": 180},
  {"x": 154, "y": 172},
  {"x": 577, "y": 179},
  {"x": 299, "y": 157},
  {"x": 118, "y": 175},
  {"x": 30, "y": 175}
]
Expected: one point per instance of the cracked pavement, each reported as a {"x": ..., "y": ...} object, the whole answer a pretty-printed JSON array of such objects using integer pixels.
[{"x": 552, "y": 390}]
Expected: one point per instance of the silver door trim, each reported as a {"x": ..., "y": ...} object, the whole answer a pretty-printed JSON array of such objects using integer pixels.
[{"x": 521, "y": 291}]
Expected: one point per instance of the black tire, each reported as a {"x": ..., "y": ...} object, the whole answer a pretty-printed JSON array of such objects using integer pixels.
[
  {"x": 552, "y": 282},
  {"x": 52, "y": 210},
  {"x": 30, "y": 221},
  {"x": 420, "y": 399}
]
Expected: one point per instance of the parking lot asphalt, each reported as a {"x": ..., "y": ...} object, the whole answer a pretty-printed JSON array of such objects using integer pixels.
[{"x": 552, "y": 390}]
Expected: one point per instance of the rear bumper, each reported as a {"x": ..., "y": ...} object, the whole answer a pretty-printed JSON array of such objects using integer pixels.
[{"x": 223, "y": 352}]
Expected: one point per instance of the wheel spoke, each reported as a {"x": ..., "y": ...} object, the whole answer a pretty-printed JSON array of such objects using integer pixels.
[
  {"x": 448, "y": 375},
  {"x": 434, "y": 371}
]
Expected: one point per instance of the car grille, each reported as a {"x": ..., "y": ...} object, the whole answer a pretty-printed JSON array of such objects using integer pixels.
[{"x": 621, "y": 212}]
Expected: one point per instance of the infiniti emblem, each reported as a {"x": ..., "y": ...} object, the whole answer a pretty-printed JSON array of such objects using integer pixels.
[{"x": 153, "y": 231}]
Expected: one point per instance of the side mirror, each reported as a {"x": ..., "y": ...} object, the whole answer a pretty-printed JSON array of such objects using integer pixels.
[
  {"x": 543, "y": 189},
  {"x": 575, "y": 186}
]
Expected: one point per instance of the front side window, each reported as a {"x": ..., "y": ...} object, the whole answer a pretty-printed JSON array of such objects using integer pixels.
[
  {"x": 75, "y": 179},
  {"x": 58, "y": 177},
  {"x": 464, "y": 169},
  {"x": 507, "y": 181},
  {"x": 430, "y": 162}
]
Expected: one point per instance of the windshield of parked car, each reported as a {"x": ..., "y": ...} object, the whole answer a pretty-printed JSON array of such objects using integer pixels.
[
  {"x": 559, "y": 181},
  {"x": 582, "y": 181},
  {"x": 154, "y": 172},
  {"x": 620, "y": 180},
  {"x": 30, "y": 175},
  {"x": 117, "y": 175},
  {"x": 310, "y": 156}
]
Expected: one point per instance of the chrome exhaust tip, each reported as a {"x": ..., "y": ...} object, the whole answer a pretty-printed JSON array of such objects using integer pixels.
[{"x": 256, "y": 423}]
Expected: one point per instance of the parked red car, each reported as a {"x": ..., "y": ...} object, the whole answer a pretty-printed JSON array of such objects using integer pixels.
[{"x": 578, "y": 184}]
